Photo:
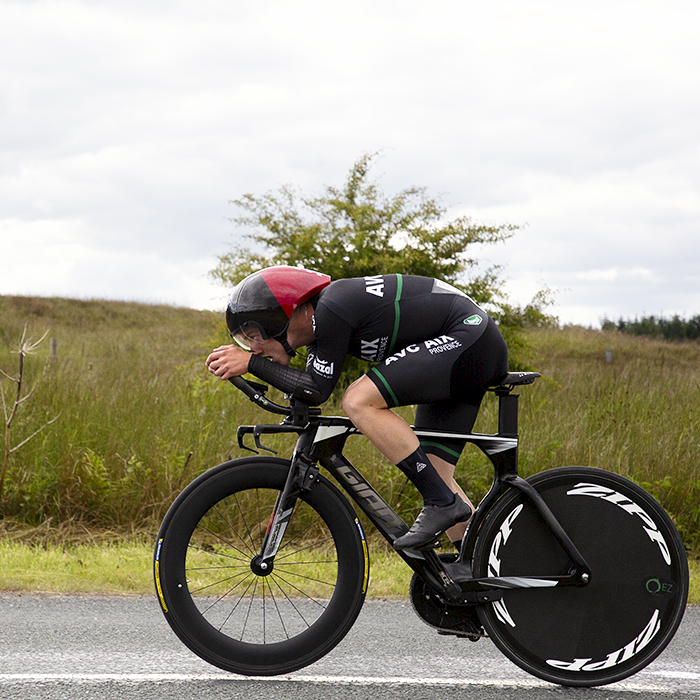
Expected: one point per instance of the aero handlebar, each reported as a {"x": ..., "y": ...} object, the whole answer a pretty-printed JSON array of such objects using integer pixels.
[{"x": 256, "y": 393}]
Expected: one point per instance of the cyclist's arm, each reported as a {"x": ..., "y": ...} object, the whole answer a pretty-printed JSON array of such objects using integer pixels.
[
  {"x": 290, "y": 380},
  {"x": 324, "y": 366}
]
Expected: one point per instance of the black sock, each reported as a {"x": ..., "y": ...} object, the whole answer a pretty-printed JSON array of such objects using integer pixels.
[{"x": 424, "y": 476}]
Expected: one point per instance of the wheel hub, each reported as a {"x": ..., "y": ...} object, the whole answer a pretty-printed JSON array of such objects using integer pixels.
[{"x": 260, "y": 567}]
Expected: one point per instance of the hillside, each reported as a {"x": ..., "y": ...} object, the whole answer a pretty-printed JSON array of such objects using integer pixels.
[{"x": 139, "y": 416}]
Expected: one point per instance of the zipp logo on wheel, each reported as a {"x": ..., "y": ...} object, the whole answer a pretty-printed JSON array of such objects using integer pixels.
[
  {"x": 616, "y": 657},
  {"x": 598, "y": 491}
]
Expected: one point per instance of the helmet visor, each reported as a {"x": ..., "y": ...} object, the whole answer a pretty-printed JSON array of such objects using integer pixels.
[{"x": 252, "y": 333}]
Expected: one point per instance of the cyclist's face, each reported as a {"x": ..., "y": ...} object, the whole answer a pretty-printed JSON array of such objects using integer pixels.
[
  {"x": 252, "y": 336},
  {"x": 267, "y": 347}
]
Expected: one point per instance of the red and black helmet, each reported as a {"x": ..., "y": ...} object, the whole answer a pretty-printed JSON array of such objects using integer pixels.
[{"x": 266, "y": 299}]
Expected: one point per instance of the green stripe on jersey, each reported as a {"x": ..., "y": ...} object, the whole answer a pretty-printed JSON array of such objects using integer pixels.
[
  {"x": 386, "y": 385},
  {"x": 425, "y": 444},
  {"x": 397, "y": 313}
]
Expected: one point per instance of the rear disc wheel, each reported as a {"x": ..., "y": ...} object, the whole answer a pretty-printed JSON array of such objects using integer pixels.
[{"x": 623, "y": 618}]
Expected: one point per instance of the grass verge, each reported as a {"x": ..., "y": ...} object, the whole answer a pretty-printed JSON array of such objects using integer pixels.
[{"x": 124, "y": 568}]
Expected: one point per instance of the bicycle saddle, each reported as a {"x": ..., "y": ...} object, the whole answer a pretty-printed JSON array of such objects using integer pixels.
[{"x": 516, "y": 379}]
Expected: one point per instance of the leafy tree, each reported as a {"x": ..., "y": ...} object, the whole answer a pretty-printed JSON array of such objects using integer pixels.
[
  {"x": 675, "y": 328},
  {"x": 358, "y": 230}
]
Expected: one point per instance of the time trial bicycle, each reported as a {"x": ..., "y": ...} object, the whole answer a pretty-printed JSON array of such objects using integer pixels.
[{"x": 261, "y": 564}]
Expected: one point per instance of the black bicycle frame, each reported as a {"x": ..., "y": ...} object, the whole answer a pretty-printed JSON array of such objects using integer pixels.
[{"x": 322, "y": 440}]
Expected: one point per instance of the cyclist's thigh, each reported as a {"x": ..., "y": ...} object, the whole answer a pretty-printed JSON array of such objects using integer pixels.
[
  {"x": 454, "y": 366},
  {"x": 414, "y": 375},
  {"x": 445, "y": 377},
  {"x": 453, "y": 416},
  {"x": 480, "y": 365}
]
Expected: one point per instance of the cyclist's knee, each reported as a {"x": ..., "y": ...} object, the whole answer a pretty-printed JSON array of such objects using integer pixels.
[
  {"x": 360, "y": 396},
  {"x": 352, "y": 403}
]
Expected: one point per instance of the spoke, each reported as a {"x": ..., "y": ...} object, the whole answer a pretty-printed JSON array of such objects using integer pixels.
[
  {"x": 220, "y": 598},
  {"x": 245, "y": 558},
  {"x": 262, "y": 585},
  {"x": 249, "y": 534},
  {"x": 292, "y": 604},
  {"x": 223, "y": 580},
  {"x": 303, "y": 593},
  {"x": 277, "y": 609},
  {"x": 219, "y": 537},
  {"x": 302, "y": 549},
  {"x": 233, "y": 609},
  {"x": 250, "y": 606},
  {"x": 308, "y": 578},
  {"x": 216, "y": 568},
  {"x": 301, "y": 563}
]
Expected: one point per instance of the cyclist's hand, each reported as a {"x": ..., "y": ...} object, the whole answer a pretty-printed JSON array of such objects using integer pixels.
[{"x": 228, "y": 361}]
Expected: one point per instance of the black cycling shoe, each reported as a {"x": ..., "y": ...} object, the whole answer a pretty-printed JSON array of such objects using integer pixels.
[{"x": 431, "y": 522}]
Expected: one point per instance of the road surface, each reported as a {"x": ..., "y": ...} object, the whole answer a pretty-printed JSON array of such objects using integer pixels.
[{"x": 120, "y": 648}]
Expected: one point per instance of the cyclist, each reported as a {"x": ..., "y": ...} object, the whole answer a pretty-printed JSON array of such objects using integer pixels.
[{"x": 434, "y": 347}]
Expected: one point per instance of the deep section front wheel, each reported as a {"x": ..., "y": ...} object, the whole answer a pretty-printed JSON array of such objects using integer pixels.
[
  {"x": 627, "y": 614},
  {"x": 236, "y": 614}
]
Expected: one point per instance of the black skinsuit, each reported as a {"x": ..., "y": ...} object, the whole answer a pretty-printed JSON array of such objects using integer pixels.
[{"x": 434, "y": 347}]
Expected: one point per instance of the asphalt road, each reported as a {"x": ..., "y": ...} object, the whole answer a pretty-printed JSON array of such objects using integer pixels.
[{"x": 77, "y": 647}]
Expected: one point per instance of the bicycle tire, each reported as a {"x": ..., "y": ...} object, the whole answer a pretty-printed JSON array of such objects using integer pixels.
[
  {"x": 630, "y": 610},
  {"x": 238, "y": 618}
]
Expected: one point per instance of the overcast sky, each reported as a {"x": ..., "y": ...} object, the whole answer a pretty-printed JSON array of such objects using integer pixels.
[{"x": 127, "y": 126}]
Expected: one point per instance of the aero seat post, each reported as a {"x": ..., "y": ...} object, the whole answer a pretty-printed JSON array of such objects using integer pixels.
[{"x": 507, "y": 413}]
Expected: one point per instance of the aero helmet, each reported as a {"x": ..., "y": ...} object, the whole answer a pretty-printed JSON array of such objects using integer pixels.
[{"x": 266, "y": 299}]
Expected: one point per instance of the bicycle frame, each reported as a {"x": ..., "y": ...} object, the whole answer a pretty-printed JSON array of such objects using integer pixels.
[{"x": 322, "y": 440}]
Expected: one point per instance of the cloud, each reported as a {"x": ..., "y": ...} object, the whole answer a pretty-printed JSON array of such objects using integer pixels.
[{"x": 126, "y": 128}]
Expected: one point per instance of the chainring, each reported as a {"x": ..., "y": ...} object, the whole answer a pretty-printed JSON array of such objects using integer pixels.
[{"x": 458, "y": 620}]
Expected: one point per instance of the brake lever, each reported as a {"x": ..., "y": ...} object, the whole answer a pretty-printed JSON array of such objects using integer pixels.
[
  {"x": 258, "y": 430},
  {"x": 243, "y": 430},
  {"x": 256, "y": 436}
]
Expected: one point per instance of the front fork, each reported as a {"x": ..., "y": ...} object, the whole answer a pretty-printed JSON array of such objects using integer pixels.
[{"x": 303, "y": 474}]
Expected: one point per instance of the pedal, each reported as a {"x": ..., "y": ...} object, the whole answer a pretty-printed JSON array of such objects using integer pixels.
[{"x": 468, "y": 629}]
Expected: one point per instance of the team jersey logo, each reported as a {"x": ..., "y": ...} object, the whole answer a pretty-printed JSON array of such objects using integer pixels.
[
  {"x": 323, "y": 367},
  {"x": 473, "y": 320},
  {"x": 375, "y": 285},
  {"x": 444, "y": 343},
  {"x": 373, "y": 350}
]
